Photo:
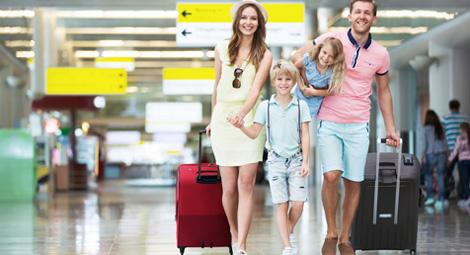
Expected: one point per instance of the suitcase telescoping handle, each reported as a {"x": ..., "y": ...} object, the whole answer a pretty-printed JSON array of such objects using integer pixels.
[
  {"x": 376, "y": 187},
  {"x": 206, "y": 179}
]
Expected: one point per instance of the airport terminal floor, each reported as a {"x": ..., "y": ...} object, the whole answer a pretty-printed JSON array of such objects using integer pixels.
[{"x": 115, "y": 218}]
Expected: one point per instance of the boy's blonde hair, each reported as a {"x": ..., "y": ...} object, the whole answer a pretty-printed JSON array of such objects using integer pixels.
[
  {"x": 283, "y": 67},
  {"x": 338, "y": 66}
]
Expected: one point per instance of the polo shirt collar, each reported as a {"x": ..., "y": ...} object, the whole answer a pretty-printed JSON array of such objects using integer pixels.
[
  {"x": 354, "y": 42},
  {"x": 273, "y": 100}
]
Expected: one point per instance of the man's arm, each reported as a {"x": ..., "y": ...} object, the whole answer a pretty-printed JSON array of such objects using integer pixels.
[{"x": 386, "y": 106}]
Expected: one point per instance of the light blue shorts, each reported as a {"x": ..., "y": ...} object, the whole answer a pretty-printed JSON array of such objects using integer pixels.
[
  {"x": 284, "y": 178},
  {"x": 344, "y": 147}
]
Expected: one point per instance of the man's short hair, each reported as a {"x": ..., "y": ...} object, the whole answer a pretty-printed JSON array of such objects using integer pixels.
[
  {"x": 454, "y": 104},
  {"x": 369, "y": 1}
]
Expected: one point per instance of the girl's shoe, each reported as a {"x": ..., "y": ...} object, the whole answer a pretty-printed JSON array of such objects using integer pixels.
[
  {"x": 429, "y": 201},
  {"x": 293, "y": 242}
]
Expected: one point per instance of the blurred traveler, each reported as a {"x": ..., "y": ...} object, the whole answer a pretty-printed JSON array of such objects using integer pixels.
[
  {"x": 242, "y": 65},
  {"x": 343, "y": 128},
  {"x": 288, "y": 142},
  {"x": 434, "y": 155},
  {"x": 451, "y": 124},
  {"x": 462, "y": 152}
]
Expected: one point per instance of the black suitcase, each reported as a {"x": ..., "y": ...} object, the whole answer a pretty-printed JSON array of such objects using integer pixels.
[{"x": 387, "y": 214}]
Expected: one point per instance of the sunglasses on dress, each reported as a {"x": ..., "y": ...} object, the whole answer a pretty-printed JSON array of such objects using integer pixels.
[{"x": 236, "y": 84}]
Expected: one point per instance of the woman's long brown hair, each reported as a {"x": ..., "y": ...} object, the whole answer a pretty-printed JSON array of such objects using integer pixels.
[
  {"x": 258, "y": 46},
  {"x": 433, "y": 120}
]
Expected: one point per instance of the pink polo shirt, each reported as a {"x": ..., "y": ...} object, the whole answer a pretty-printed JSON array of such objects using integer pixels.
[{"x": 363, "y": 63}]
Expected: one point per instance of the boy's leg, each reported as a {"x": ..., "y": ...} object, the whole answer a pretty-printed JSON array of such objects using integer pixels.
[
  {"x": 230, "y": 198},
  {"x": 283, "y": 222},
  {"x": 294, "y": 214}
]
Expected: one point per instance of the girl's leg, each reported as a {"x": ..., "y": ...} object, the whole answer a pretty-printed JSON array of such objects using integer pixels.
[
  {"x": 464, "y": 169},
  {"x": 229, "y": 177},
  {"x": 429, "y": 169},
  {"x": 283, "y": 222},
  {"x": 246, "y": 186},
  {"x": 441, "y": 169},
  {"x": 294, "y": 214}
]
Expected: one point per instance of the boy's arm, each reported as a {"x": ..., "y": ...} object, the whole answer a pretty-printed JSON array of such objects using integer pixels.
[
  {"x": 305, "y": 170},
  {"x": 252, "y": 132}
]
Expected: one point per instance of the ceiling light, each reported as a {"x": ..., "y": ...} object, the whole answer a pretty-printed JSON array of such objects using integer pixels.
[
  {"x": 123, "y": 30},
  {"x": 155, "y": 14},
  {"x": 24, "y": 54},
  {"x": 123, "y": 43},
  {"x": 386, "y": 30},
  {"x": 131, "y": 89},
  {"x": 87, "y": 54},
  {"x": 19, "y": 43},
  {"x": 16, "y": 30},
  {"x": 408, "y": 14},
  {"x": 16, "y": 14}
]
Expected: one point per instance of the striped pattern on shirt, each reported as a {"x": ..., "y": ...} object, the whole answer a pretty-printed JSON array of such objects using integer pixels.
[{"x": 451, "y": 124}]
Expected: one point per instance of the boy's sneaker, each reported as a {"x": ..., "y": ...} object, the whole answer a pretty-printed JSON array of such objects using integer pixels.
[
  {"x": 293, "y": 242},
  {"x": 242, "y": 252},
  {"x": 445, "y": 203},
  {"x": 429, "y": 201},
  {"x": 288, "y": 251},
  {"x": 438, "y": 204}
]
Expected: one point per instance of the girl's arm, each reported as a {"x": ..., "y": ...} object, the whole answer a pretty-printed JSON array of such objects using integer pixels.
[
  {"x": 255, "y": 90},
  {"x": 311, "y": 91},
  {"x": 252, "y": 132},
  {"x": 305, "y": 170},
  {"x": 456, "y": 150},
  {"x": 218, "y": 71}
]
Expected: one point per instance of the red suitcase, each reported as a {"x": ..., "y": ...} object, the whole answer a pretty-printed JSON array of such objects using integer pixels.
[{"x": 200, "y": 217}]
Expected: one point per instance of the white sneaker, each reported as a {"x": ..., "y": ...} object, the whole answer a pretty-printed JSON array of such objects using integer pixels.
[
  {"x": 293, "y": 242},
  {"x": 234, "y": 248},
  {"x": 242, "y": 252},
  {"x": 429, "y": 201},
  {"x": 288, "y": 251}
]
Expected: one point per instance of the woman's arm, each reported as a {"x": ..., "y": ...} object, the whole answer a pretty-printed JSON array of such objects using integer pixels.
[
  {"x": 255, "y": 90},
  {"x": 218, "y": 71}
]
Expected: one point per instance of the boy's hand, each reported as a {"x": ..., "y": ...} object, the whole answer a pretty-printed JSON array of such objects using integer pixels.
[
  {"x": 235, "y": 121},
  {"x": 304, "y": 171}
]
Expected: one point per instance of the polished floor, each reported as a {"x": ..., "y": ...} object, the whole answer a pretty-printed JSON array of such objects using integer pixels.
[{"x": 120, "y": 219}]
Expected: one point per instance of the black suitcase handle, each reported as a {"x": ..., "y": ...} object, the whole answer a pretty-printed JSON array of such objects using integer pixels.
[
  {"x": 201, "y": 178},
  {"x": 376, "y": 187}
]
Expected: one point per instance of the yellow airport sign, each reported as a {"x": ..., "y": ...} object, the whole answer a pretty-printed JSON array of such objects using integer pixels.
[
  {"x": 85, "y": 81},
  {"x": 188, "y": 81},
  {"x": 203, "y": 12}
]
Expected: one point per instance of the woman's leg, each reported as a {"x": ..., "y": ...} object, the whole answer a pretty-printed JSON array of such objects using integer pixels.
[
  {"x": 229, "y": 176},
  {"x": 441, "y": 169},
  {"x": 429, "y": 169},
  {"x": 283, "y": 222},
  {"x": 246, "y": 186}
]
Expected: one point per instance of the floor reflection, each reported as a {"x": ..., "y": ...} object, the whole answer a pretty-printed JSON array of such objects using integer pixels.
[{"x": 120, "y": 219}]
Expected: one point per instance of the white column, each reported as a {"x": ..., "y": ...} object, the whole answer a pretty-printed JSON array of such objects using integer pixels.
[
  {"x": 440, "y": 80},
  {"x": 460, "y": 75}
]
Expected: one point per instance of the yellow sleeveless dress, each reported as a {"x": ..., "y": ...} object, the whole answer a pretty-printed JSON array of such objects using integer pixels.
[{"x": 230, "y": 145}]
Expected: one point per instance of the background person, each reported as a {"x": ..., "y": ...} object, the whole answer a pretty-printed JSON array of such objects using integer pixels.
[
  {"x": 462, "y": 152},
  {"x": 434, "y": 155},
  {"x": 242, "y": 65},
  {"x": 343, "y": 128}
]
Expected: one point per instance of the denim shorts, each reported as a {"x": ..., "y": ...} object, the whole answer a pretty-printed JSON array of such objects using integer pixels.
[
  {"x": 344, "y": 147},
  {"x": 284, "y": 178}
]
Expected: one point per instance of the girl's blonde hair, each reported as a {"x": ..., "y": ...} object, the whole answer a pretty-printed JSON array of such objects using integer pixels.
[
  {"x": 283, "y": 67},
  {"x": 338, "y": 66},
  {"x": 258, "y": 46}
]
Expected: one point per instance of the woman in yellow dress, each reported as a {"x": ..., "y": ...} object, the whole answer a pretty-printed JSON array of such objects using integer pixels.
[{"x": 242, "y": 64}]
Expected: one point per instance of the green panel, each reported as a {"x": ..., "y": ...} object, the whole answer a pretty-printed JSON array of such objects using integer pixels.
[{"x": 17, "y": 173}]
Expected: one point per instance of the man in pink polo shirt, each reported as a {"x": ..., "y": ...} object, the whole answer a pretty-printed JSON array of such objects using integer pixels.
[{"x": 343, "y": 128}]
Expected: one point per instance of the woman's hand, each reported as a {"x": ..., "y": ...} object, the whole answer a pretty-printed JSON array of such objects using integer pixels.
[
  {"x": 236, "y": 120},
  {"x": 208, "y": 130}
]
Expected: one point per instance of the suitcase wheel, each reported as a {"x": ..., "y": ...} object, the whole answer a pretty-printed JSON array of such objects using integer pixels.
[
  {"x": 230, "y": 249},
  {"x": 182, "y": 250}
]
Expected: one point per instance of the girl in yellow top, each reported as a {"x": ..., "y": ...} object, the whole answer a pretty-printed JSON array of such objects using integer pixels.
[{"x": 242, "y": 64}]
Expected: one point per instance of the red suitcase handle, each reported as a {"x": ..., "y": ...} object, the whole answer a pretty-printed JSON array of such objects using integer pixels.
[{"x": 201, "y": 178}]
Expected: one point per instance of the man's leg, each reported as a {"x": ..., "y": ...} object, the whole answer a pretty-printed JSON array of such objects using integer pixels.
[
  {"x": 330, "y": 199},
  {"x": 350, "y": 203}
]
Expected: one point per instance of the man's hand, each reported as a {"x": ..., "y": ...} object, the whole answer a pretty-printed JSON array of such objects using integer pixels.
[{"x": 393, "y": 140}]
